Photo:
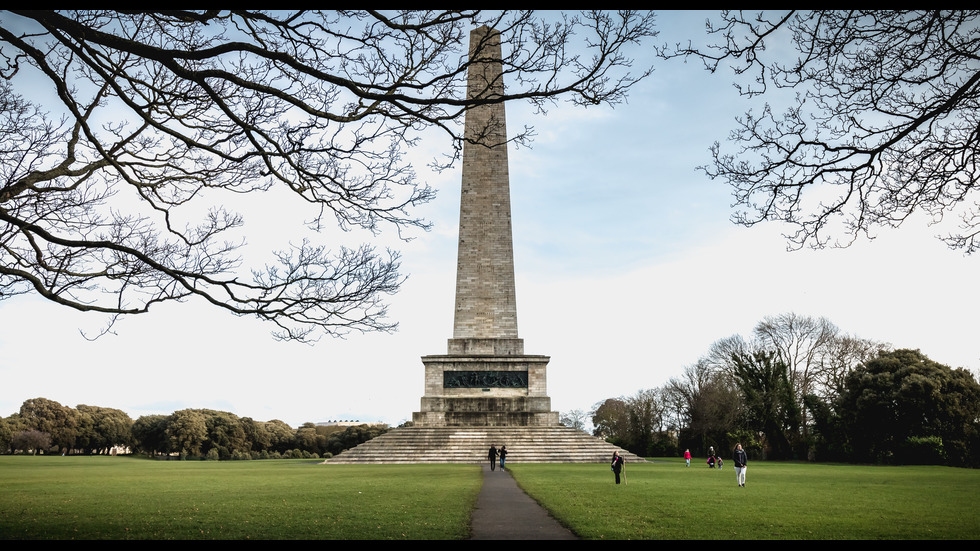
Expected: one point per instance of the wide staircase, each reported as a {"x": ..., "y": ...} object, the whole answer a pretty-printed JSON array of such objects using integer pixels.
[{"x": 549, "y": 444}]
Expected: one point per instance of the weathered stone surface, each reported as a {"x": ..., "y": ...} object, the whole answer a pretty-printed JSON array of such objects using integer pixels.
[
  {"x": 485, "y": 338},
  {"x": 486, "y": 303},
  {"x": 554, "y": 444}
]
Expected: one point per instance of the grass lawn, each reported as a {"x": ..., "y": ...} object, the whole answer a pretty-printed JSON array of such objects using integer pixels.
[
  {"x": 666, "y": 500},
  {"x": 108, "y": 498},
  {"x": 52, "y": 497}
]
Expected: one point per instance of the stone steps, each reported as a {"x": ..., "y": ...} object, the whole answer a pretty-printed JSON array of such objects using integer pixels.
[{"x": 539, "y": 444}]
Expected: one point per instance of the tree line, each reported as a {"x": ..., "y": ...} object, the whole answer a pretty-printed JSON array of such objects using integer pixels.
[
  {"x": 800, "y": 388},
  {"x": 45, "y": 426}
]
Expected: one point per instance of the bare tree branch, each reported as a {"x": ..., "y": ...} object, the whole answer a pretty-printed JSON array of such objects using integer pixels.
[
  {"x": 881, "y": 121},
  {"x": 128, "y": 135}
]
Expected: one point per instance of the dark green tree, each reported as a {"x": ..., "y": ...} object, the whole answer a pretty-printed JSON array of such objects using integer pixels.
[
  {"x": 150, "y": 434},
  {"x": 310, "y": 440},
  {"x": 770, "y": 402},
  {"x": 903, "y": 407},
  {"x": 352, "y": 436},
  {"x": 101, "y": 428},
  {"x": 32, "y": 440},
  {"x": 258, "y": 434},
  {"x": 610, "y": 420},
  {"x": 827, "y": 438},
  {"x": 281, "y": 436},
  {"x": 224, "y": 433},
  {"x": 58, "y": 421},
  {"x": 6, "y": 433},
  {"x": 187, "y": 431}
]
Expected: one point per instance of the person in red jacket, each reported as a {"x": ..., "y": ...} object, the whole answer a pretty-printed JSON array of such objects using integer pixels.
[{"x": 687, "y": 457}]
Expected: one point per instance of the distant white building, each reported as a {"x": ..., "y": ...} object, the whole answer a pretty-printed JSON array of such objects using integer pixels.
[{"x": 349, "y": 423}]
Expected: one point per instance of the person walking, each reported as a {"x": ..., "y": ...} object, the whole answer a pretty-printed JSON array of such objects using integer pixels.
[
  {"x": 687, "y": 457},
  {"x": 492, "y": 456},
  {"x": 741, "y": 461},
  {"x": 617, "y": 465},
  {"x": 503, "y": 456}
]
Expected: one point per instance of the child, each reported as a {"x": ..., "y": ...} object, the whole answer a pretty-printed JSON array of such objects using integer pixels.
[
  {"x": 711, "y": 462},
  {"x": 720, "y": 462},
  {"x": 687, "y": 457}
]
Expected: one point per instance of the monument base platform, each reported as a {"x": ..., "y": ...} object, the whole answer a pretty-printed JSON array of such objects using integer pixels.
[
  {"x": 555, "y": 444},
  {"x": 485, "y": 412}
]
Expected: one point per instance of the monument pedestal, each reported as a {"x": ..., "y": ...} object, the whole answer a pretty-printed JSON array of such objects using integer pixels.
[{"x": 485, "y": 383}]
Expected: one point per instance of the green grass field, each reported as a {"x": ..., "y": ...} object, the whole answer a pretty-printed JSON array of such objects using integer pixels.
[
  {"x": 666, "y": 500},
  {"x": 130, "y": 498}
]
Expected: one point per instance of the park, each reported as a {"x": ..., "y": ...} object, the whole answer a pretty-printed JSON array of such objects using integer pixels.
[
  {"x": 119, "y": 498},
  {"x": 851, "y": 438}
]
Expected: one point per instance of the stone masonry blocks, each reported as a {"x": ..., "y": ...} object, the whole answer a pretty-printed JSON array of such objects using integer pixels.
[{"x": 485, "y": 341}]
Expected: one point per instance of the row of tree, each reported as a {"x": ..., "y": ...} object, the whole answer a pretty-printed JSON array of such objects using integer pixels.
[
  {"x": 799, "y": 389},
  {"x": 802, "y": 389},
  {"x": 45, "y": 426}
]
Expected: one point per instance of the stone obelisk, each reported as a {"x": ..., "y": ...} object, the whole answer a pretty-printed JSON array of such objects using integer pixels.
[{"x": 485, "y": 379}]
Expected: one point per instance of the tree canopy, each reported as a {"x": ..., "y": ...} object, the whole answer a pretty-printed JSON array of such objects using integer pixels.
[
  {"x": 45, "y": 426},
  {"x": 770, "y": 401},
  {"x": 128, "y": 135},
  {"x": 893, "y": 402},
  {"x": 867, "y": 402}
]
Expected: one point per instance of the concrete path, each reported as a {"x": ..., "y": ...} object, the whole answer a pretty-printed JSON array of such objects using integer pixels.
[{"x": 504, "y": 512}]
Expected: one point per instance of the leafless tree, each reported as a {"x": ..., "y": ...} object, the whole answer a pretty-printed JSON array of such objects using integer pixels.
[
  {"x": 840, "y": 357},
  {"x": 685, "y": 390},
  {"x": 880, "y": 123},
  {"x": 719, "y": 355},
  {"x": 127, "y": 135},
  {"x": 800, "y": 341},
  {"x": 575, "y": 419},
  {"x": 706, "y": 401}
]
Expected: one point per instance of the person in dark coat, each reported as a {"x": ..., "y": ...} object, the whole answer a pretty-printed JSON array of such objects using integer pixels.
[
  {"x": 492, "y": 456},
  {"x": 503, "y": 456},
  {"x": 617, "y": 465},
  {"x": 741, "y": 461}
]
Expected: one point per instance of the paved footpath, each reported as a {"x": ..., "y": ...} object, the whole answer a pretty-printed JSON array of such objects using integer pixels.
[{"x": 504, "y": 512}]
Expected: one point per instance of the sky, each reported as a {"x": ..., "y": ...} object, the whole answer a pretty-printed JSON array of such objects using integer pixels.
[{"x": 627, "y": 268}]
